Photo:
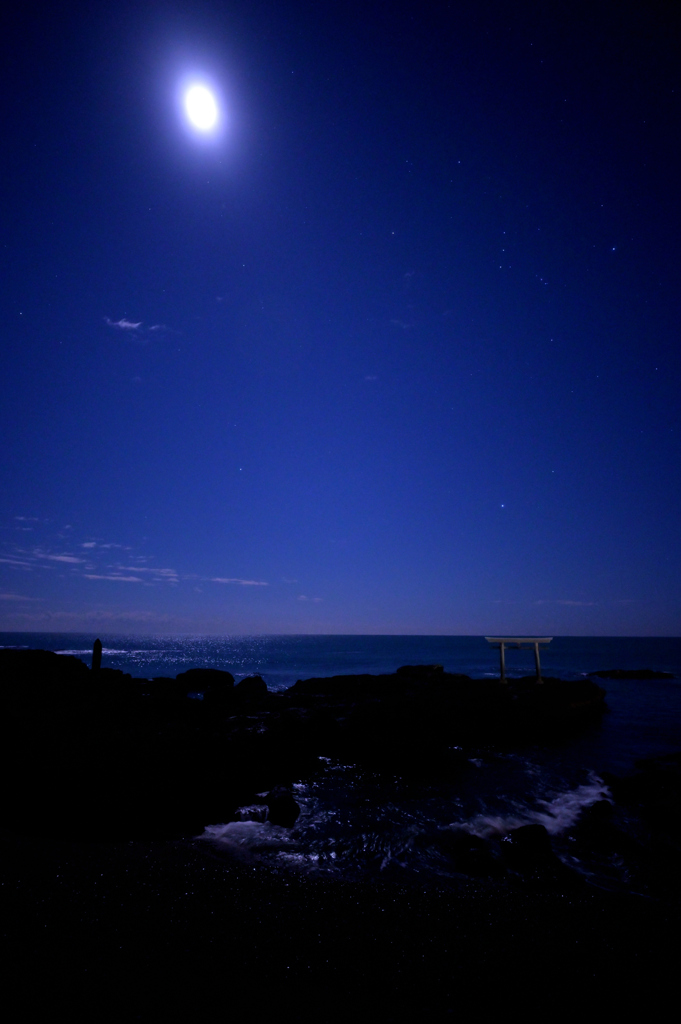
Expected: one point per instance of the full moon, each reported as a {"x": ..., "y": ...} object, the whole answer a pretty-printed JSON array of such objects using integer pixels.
[{"x": 201, "y": 108}]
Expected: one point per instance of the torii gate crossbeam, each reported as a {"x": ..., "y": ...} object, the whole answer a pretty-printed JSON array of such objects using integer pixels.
[{"x": 517, "y": 642}]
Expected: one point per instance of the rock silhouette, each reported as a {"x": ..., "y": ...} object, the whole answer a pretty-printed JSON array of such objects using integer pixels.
[
  {"x": 138, "y": 757},
  {"x": 97, "y": 656}
]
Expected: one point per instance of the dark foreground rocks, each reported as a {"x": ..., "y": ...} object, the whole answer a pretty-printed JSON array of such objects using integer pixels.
[
  {"x": 166, "y": 931},
  {"x": 654, "y": 793},
  {"x": 103, "y": 753}
]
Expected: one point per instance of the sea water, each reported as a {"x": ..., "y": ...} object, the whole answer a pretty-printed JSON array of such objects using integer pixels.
[
  {"x": 282, "y": 659},
  {"x": 356, "y": 822}
]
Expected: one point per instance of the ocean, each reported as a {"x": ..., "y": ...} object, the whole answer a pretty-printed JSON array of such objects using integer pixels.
[{"x": 357, "y": 824}]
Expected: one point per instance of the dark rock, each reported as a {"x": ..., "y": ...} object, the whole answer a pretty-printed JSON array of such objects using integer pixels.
[
  {"x": 420, "y": 671},
  {"x": 409, "y": 722},
  {"x": 39, "y": 666},
  {"x": 655, "y": 790},
  {"x": 200, "y": 679},
  {"x": 470, "y": 855},
  {"x": 339, "y": 687},
  {"x": 596, "y": 815},
  {"x": 112, "y": 686},
  {"x": 217, "y": 687},
  {"x": 165, "y": 688},
  {"x": 112, "y": 676},
  {"x": 596, "y": 830},
  {"x": 527, "y": 848},
  {"x": 251, "y": 688},
  {"x": 31, "y": 663},
  {"x": 595, "y": 827},
  {"x": 527, "y": 851},
  {"x": 282, "y": 808},
  {"x": 42, "y": 684}
]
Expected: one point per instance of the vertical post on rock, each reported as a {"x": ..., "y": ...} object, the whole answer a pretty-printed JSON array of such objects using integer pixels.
[
  {"x": 502, "y": 663},
  {"x": 536, "y": 661},
  {"x": 97, "y": 656}
]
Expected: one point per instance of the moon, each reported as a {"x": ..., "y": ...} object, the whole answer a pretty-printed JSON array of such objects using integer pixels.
[{"x": 201, "y": 108}]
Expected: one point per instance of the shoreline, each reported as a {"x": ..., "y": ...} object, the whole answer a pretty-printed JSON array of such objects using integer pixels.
[
  {"x": 130, "y": 928},
  {"x": 140, "y": 757}
]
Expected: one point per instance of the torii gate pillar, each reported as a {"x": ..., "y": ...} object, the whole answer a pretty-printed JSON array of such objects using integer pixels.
[{"x": 502, "y": 642}]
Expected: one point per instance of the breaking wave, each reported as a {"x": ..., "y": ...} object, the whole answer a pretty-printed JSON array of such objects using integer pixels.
[{"x": 557, "y": 815}]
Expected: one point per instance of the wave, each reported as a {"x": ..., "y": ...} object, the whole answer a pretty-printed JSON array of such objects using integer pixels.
[
  {"x": 344, "y": 840},
  {"x": 557, "y": 815}
]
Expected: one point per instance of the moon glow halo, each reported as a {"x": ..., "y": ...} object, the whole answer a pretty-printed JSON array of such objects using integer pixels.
[{"x": 201, "y": 108}]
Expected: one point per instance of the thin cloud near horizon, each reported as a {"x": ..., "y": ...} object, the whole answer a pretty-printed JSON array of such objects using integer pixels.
[
  {"x": 243, "y": 583},
  {"x": 90, "y": 562}
]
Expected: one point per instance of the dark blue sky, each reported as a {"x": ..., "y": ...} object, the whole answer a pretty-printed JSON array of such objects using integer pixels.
[{"x": 395, "y": 351}]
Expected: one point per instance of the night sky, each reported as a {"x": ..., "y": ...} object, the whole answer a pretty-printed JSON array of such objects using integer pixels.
[{"x": 392, "y": 349}]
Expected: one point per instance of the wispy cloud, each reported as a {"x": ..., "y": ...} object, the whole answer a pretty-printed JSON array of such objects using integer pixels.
[
  {"x": 37, "y": 558},
  {"x": 97, "y": 560},
  {"x": 243, "y": 583},
  {"x": 17, "y": 563},
  {"x": 104, "y": 547},
  {"x": 576, "y": 604},
  {"x": 18, "y": 597},
  {"x": 112, "y": 576},
  {"x": 314, "y": 600},
  {"x": 123, "y": 324},
  {"x": 70, "y": 559},
  {"x": 160, "y": 575},
  {"x": 99, "y": 618},
  {"x": 135, "y": 327}
]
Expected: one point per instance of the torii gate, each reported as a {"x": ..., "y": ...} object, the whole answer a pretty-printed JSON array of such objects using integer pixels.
[{"x": 518, "y": 642}]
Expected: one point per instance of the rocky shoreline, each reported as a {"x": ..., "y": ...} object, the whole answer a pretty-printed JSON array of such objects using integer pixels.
[
  {"x": 102, "y": 755},
  {"x": 105, "y": 753},
  {"x": 102, "y": 771}
]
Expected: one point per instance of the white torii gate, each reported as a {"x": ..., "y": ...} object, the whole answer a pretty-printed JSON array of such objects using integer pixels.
[{"x": 502, "y": 642}]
